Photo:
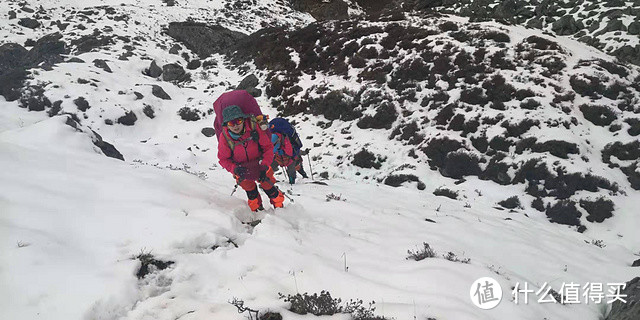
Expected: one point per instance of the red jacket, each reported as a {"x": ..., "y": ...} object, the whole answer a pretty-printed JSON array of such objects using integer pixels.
[
  {"x": 246, "y": 152},
  {"x": 283, "y": 143},
  {"x": 282, "y": 149}
]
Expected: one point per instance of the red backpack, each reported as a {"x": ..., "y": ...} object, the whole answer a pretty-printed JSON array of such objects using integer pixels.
[{"x": 247, "y": 104}]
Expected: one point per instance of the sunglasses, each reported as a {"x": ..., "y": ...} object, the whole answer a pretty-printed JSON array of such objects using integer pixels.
[{"x": 235, "y": 122}]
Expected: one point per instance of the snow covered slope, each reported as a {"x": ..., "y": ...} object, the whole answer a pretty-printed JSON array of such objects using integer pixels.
[
  {"x": 73, "y": 221},
  {"x": 480, "y": 112}
]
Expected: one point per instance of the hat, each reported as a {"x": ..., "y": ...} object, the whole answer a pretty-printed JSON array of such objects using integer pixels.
[{"x": 232, "y": 112}]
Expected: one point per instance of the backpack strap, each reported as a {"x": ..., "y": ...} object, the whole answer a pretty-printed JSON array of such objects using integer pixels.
[{"x": 254, "y": 135}]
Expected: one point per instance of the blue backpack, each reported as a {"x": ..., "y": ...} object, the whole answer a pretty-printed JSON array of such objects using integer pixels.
[{"x": 282, "y": 126}]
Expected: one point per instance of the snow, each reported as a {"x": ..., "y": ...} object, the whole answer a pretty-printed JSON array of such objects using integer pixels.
[{"x": 68, "y": 255}]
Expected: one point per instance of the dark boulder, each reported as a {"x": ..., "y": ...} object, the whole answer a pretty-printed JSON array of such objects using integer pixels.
[
  {"x": 204, "y": 39},
  {"x": 172, "y": 72},
  {"x": 128, "y": 119},
  {"x": 194, "y": 64},
  {"x": 254, "y": 92},
  {"x": 11, "y": 56},
  {"x": 29, "y": 23},
  {"x": 154, "y": 71},
  {"x": 47, "y": 50},
  {"x": 108, "y": 149},
  {"x": 208, "y": 132},
  {"x": 175, "y": 49},
  {"x": 148, "y": 111},
  {"x": 250, "y": 81},
  {"x": 99, "y": 63},
  {"x": 157, "y": 91}
]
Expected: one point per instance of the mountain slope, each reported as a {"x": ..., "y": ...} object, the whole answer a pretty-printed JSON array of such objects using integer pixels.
[{"x": 74, "y": 257}]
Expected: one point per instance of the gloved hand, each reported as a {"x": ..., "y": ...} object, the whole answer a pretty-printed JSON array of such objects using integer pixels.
[
  {"x": 240, "y": 171},
  {"x": 263, "y": 173}
]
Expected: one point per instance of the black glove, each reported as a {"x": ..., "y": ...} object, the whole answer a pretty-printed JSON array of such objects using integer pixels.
[
  {"x": 263, "y": 173},
  {"x": 240, "y": 171}
]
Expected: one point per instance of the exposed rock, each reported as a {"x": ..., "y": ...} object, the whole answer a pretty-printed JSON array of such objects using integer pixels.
[
  {"x": 157, "y": 91},
  {"x": 250, "y": 81},
  {"x": 636, "y": 263},
  {"x": 175, "y": 49},
  {"x": 29, "y": 23},
  {"x": 47, "y": 50},
  {"x": 322, "y": 10},
  {"x": 128, "y": 119},
  {"x": 194, "y": 64},
  {"x": 208, "y": 132},
  {"x": 99, "y": 63},
  {"x": 55, "y": 109},
  {"x": 172, "y": 72},
  {"x": 567, "y": 25},
  {"x": 154, "y": 71},
  {"x": 634, "y": 28},
  {"x": 254, "y": 92},
  {"x": 148, "y": 111},
  {"x": 631, "y": 309},
  {"x": 203, "y": 39},
  {"x": 108, "y": 149},
  {"x": 11, "y": 56},
  {"x": 90, "y": 42}
]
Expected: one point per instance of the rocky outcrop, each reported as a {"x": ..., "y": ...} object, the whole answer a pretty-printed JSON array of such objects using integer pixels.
[
  {"x": 173, "y": 72},
  {"x": 322, "y": 10},
  {"x": 204, "y": 39},
  {"x": 15, "y": 60},
  {"x": 567, "y": 25},
  {"x": 631, "y": 309}
]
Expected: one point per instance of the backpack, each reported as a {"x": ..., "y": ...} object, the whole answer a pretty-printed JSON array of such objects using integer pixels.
[
  {"x": 249, "y": 106},
  {"x": 246, "y": 102},
  {"x": 282, "y": 126}
]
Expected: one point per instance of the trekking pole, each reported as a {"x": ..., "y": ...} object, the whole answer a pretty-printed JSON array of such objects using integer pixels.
[
  {"x": 234, "y": 189},
  {"x": 274, "y": 186},
  {"x": 310, "y": 166},
  {"x": 286, "y": 174}
]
